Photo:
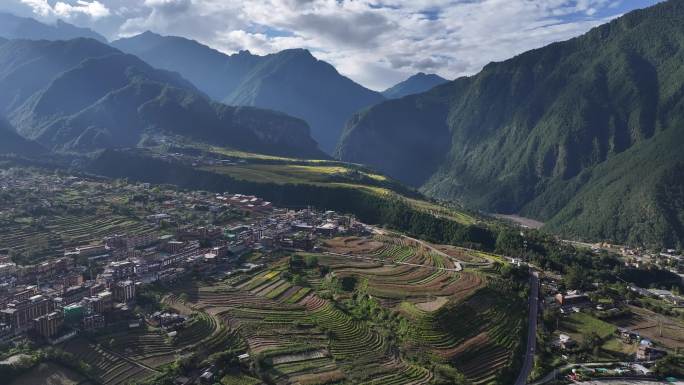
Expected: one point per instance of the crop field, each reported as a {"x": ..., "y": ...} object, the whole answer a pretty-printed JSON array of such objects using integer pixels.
[
  {"x": 50, "y": 374},
  {"x": 130, "y": 355},
  {"x": 37, "y": 224},
  {"x": 302, "y": 334},
  {"x": 398, "y": 269},
  {"x": 477, "y": 335},
  {"x": 649, "y": 325},
  {"x": 426, "y": 308},
  {"x": 59, "y": 232},
  {"x": 280, "y": 170},
  {"x": 110, "y": 368}
]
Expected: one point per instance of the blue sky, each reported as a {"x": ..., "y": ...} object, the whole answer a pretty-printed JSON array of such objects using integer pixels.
[{"x": 375, "y": 42}]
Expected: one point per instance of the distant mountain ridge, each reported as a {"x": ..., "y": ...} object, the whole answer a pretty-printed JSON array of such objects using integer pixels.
[
  {"x": 585, "y": 135},
  {"x": 15, "y": 27},
  {"x": 415, "y": 84},
  {"x": 291, "y": 81},
  {"x": 82, "y": 95}
]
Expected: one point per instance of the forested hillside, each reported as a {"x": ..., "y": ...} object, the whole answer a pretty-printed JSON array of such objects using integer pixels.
[
  {"x": 82, "y": 95},
  {"x": 292, "y": 81},
  {"x": 583, "y": 134}
]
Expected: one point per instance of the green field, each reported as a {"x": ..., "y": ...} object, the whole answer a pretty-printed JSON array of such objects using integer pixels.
[
  {"x": 578, "y": 325},
  {"x": 279, "y": 170},
  {"x": 313, "y": 330}
]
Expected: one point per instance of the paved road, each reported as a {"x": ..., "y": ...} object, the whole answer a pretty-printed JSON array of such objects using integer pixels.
[{"x": 531, "y": 330}]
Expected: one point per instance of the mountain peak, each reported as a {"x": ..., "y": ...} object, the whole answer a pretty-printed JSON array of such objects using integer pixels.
[
  {"x": 297, "y": 52},
  {"x": 415, "y": 84},
  {"x": 16, "y": 27},
  {"x": 150, "y": 33}
]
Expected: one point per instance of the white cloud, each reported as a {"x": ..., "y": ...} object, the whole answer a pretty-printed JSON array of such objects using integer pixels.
[
  {"x": 375, "y": 42},
  {"x": 93, "y": 9}
]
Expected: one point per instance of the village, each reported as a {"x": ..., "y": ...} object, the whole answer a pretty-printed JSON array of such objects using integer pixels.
[
  {"x": 117, "y": 239},
  {"x": 91, "y": 285}
]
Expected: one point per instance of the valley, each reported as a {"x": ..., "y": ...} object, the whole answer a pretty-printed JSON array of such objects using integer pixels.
[
  {"x": 301, "y": 296},
  {"x": 294, "y": 193}
]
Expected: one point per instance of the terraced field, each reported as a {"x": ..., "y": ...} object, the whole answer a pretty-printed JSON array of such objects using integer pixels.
[
  {"x": 132, "y": 355},
  {"x": 402, "y": 270},
  {"x": 110, "y": 368},
  {"x": 464, "y": 318},
  {"x": 60, "y": 232},
  {"x": 478, "y": 335}
]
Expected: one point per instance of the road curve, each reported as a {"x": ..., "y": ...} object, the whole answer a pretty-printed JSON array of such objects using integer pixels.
[{"x": 531, "y": 330}]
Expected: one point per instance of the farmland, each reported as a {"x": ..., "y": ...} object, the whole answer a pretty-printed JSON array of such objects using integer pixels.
[
  {"x": 37, "y": 241},
  {"x": 269, "y": 170},
  {"x": 119, "y": 355},
  {"x": 50, "y": 374},
  {"x": 48, "y": 220},
  {"x": 408, "y": 310},
  {"x": 369, "y": 307}
]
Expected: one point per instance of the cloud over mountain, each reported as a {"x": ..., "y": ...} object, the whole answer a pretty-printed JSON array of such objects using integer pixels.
[{"x": 377, "y": 43}]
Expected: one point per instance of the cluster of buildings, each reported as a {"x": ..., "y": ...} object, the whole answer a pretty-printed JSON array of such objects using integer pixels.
[
  {"x": 575, "y": 301},
  {"x": 94, "y": 284}
]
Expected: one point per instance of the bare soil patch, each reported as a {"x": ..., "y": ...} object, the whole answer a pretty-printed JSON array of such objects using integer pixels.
[
  {"x": 353, "y": 245},
  {"x": 433, "y": 305}
]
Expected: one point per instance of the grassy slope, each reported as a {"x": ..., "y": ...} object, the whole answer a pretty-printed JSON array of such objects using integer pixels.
[{"x": 326, "y": 173}]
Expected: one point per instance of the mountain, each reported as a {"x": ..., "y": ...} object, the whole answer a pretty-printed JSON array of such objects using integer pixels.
[
  {"x": 15, "y": 27},
  {"x": 415, "y": 84},
  {"x": 584, "y": 134},
  {"x": 87, "y": 96},
  {"x": 291, "y": 81},
  {"x": 28, "y": 66},
  {"x": 13, "y": 143}
]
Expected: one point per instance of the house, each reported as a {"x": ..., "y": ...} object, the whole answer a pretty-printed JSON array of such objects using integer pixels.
[
  {"x": 565, "y": 342},
  {"x": 573, "y": 299},
  {"x": 207, "y": 376},
  {"x": 628, "y": 336},
  {"x": 647, "y": 352}
]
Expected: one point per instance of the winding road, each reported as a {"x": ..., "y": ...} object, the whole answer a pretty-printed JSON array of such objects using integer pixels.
[{"x": 531, "y": 330}]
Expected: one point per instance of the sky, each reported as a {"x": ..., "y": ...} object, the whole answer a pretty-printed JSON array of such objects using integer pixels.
[{"x": 375, "y": 42}]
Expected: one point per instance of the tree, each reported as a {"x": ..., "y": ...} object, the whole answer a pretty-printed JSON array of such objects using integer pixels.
[
  {"x": 574, "y": 278},
  {"x": 311, "y": 261}
]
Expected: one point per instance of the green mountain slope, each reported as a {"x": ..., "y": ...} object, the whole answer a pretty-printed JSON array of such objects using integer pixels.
[
  {"x": 13, "y": 143},
  {"x": 291, "y": 81},
  {"x": 415, "y": 84},
  {"x": 110, "y": 99},
  {"x": 15, "y": 27},
  {"x": 543, "y": 133},
  {"x": 28, "y": 66}
]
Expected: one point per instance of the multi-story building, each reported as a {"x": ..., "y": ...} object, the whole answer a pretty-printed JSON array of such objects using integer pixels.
[
  {"x": 93, "y": 321},
  {"x": 74, "y": 294},
  {"x": 19, "y": 314},
  {"x": 101, "y": 303},
  {"x": 120, "y": 269},
  {"x": 124, "y": 291},
  {"x": 45, "y": 270},
  {"x": 49, "y": 324}
]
